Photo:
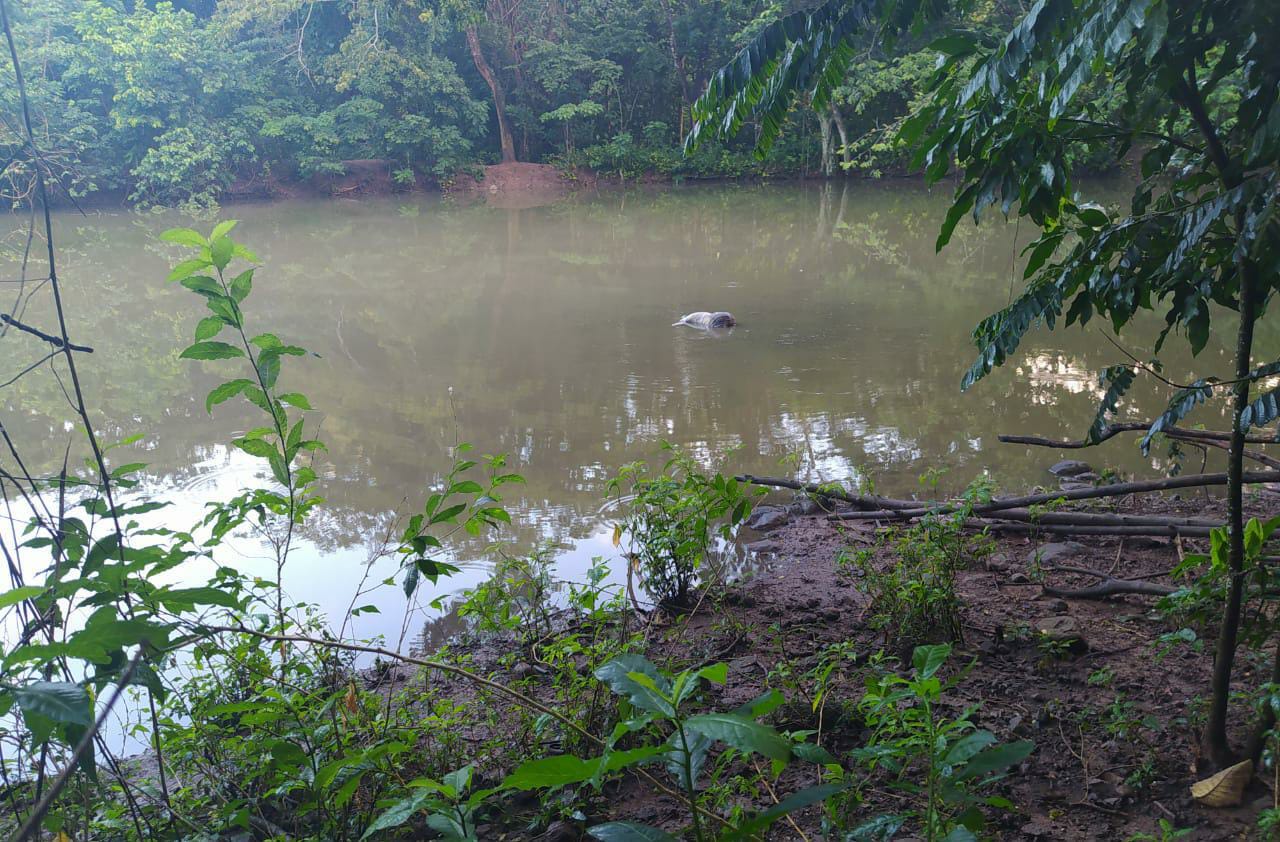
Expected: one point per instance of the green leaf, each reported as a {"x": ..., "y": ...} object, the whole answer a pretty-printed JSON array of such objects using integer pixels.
[
  {"x": 211, "y": 351},
  {"x": 220, "y": 251},
  {"x": 256, "y": 447},
  {"x": 629, "y": 832},
  {"x": 929, "y": 659},
  {"x": 616, "y": 674},
  {"x": 996, "y": 759},
  {"x": 16, "y": 595},
  {"x": 184, "y": 237},
  {"x": 187, "y": 268},
  {"x": 296, "y": 399},
  {"x": 55, "y": 700},
  {"x": 1116, "y": 380},
  {"x": 1261, "y": 411},
  {"x": 241, "y": 285},
  {"x": 967, "y": 746},
  {"x": 209, "y": 327},
  {"x": 558, "y": 770},
  {"x": 879, "y": 829},
  {"x": 225, "y": 392},
  {"x": 399, "y": 812},
  {"x": 743, "y": 734},
  {"x": 749, "y": 828},
  {"x": 223, "y": 228},
  {"x": 1183, "y": 401}
]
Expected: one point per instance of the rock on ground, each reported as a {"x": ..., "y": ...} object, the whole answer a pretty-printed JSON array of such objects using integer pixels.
[{"x": 1070, "y": 468}]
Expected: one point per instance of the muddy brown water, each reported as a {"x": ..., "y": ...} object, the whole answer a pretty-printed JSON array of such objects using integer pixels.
[{"x": 545, "y": 333}]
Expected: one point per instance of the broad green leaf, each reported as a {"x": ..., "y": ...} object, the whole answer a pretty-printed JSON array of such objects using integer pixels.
[
  {"x": 929, "y": 659},
  {"x": 616, "y": 674},
  {"x": 879, "y": 829},
  {"x": 55, "y": 700},
  {"x": 399, "y": 813},
  {"x": 629, "y": 832},
  {"x": 996, "y": 759},
  {"x": 743, "y": 734},
  {"x": 558, "y": 770},
  {"x": 16, "y": 595},
  {"x": 184, "y": 237},
  {"x": 748, "y": 828}
]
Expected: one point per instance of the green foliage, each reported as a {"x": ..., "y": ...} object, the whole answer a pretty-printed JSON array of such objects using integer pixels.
[
  {"x": 654, "y": 714},
  {"x": 672, "y": 518},
  {"x": 914, "y": 600},
  {"x": 942, "y": 765}
]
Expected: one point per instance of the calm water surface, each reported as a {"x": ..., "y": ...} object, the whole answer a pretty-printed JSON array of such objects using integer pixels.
[{"x": 545, "y": 333}]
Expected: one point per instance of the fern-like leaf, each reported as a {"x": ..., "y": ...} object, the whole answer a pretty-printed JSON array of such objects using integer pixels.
[
  {"x": 1184, "y": 400},
  {"x": 1116, "y": 379}
]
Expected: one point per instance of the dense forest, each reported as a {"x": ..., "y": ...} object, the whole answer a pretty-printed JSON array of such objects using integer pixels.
[
  {"x": 169, "y": 103},
  {"x": 1094, "y": 657}
]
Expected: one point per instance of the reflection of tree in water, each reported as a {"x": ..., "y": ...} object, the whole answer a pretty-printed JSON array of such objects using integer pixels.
[{"x": 552, "y": 327}]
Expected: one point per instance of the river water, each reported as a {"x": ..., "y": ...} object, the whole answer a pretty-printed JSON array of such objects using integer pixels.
[{"x": 545, "y": 333}]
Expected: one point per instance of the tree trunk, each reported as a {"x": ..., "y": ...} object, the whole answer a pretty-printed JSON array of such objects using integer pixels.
[
  {"x": 828, "y": 153},
  {"x": 677, "y": 66},
  {"x": 1214, "y": 744},
  {"x": 499, "y": 97},
  {"x": 844, "y": 135}
]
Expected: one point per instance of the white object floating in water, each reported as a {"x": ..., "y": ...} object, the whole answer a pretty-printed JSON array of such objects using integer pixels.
[{"x": 705, "y": 321}]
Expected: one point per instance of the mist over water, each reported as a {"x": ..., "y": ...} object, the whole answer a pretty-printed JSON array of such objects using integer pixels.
[{"x": 545, "y": 333}]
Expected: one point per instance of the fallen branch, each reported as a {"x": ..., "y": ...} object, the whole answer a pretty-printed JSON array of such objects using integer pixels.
[
  {"x": 1114, "y": 430},
  {"x": 1107, "y": 586},
  {"x": 1120, "y": 489},
  {"x": 1083, "y": 529},
  {"x": 862, "y": 501}
]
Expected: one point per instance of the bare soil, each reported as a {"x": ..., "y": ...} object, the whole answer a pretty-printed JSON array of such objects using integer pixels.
[
  {"x": 1088, "y": 778},
  {"x": 516, "y": 185}
]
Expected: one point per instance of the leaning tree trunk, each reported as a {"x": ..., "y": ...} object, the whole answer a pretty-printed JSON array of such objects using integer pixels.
[
  {"x": 828, "y": 153},
  {"x": 499, "y": 96},
  {"x": 844, "y": 135}
]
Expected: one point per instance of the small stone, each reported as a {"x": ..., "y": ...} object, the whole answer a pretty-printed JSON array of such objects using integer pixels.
[
  {"x": 1088, "y": 476},
  {"x": 1058, "y": 551},
  {"x": 1057, "y": 606},
  {"x": 558, "y": 831},
  {"x": 1072, "y": 485},
  {"x": 765, "y": 518},
  {"x": 1062, "y": 629},
  {"x": 1019, "y": 579},
  {"x": 997, "y": 563},
  {"x": 1070, "y": 468},
  {"x": 765, "y": 547},
  {"x": 803, "y": 505}
]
